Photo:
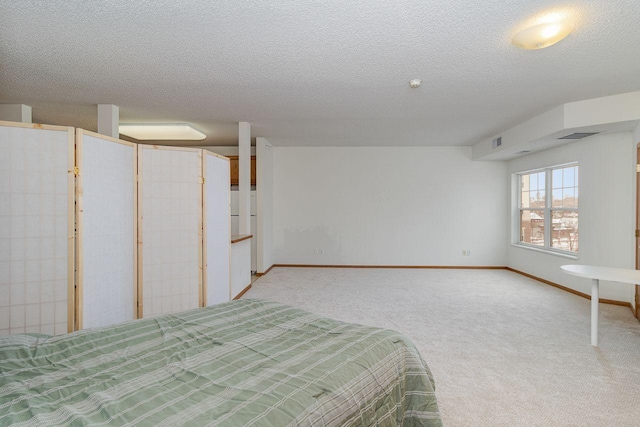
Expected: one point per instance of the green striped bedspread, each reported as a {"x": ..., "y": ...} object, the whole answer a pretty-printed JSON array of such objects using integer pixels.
[{"x": 242, "y": 363}]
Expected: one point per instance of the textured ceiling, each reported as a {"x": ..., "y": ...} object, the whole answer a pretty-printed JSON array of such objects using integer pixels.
[{"x": 303, "y": 72}]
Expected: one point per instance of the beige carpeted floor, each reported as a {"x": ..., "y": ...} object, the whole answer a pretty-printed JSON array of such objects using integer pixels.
[{"x": 505, "y": 350}]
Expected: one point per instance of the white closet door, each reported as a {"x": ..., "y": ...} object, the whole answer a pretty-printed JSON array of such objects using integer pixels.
[
  {"x": 217, "y": 254},
  {"x": 36, "y": 228},
  {"x": 106, "y": 203},
  {"x": 170, "y": 251}
]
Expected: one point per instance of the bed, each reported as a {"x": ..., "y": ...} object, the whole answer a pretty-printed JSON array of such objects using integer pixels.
[{"x": 242, "y": 363}]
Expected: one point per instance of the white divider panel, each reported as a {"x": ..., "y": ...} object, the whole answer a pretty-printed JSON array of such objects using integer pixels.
[
  {"x": 217, "y": 228},
  {"x": 106, "y": 203},
  {"x": 170, "y": 251},
  {"x": 36, "y": 228}
]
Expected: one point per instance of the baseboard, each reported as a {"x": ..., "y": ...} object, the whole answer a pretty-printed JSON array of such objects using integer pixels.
[
  {"x": 453, "y": 267},
  {"x": 573, "y": 291},
  {"x": 263, "y": 274},
  {"x": 244, "y": 291}
]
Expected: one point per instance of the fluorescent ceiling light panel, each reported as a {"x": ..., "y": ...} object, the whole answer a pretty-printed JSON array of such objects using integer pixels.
[{"x": 162, "y": 132}]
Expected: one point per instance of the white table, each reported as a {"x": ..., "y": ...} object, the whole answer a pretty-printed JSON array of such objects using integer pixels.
[{"x": 595, "y": 273}]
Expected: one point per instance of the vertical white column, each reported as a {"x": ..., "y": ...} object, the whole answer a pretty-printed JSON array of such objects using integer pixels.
[
  {"x": 15, "y": 113},
  {"x": 264, "y": 202},
  {"x": 108, "y": 120},
  {"x": 244, "y": 179}
]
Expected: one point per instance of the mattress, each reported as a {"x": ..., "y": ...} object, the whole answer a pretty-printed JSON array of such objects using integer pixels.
[{"x": 242, "y": 363}]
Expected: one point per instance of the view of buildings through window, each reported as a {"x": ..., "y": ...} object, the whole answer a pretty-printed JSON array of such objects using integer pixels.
[{"x": 549, "y": 208}]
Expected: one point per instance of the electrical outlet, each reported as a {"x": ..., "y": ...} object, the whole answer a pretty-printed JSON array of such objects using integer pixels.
[{"x": 466, "y": 252}]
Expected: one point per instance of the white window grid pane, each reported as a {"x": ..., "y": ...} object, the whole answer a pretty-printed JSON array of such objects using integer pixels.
[{"x": 563, "y": 196}]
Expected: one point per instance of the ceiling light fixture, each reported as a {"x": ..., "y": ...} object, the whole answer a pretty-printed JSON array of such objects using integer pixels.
[
  {"x": 161, "y": 132},
  {"x": 415, "y": 83},
  {"x": 541, "y": 35}
]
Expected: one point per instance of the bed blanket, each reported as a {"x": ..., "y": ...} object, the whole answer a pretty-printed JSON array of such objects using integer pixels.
[{"x": 242, "y": 363}]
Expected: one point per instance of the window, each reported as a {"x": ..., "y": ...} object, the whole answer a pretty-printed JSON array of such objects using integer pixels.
[{"x": 548, "y": 208}]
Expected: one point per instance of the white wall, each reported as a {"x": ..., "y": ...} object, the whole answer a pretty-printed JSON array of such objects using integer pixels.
[
  {"x": 264, "y": 202},
  {"x": 607, "y": 211},
  {"x": 388, "y": 206}
]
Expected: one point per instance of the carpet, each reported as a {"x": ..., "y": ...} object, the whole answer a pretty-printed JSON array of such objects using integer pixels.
[{"x": 505, "y": 350}]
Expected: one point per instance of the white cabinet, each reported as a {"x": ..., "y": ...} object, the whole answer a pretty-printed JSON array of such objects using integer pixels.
[
  {"x": 240, "y": 275},
  {"x": 235, "y": 224}
]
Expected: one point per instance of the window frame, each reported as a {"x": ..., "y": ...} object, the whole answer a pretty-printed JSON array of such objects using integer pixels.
[{"x": 548, "y": 210}]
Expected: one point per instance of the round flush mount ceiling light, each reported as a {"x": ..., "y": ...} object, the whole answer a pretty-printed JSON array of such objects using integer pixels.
[
  {"x": 541, "y": 35},
  {"x": 415, "y": 83}
]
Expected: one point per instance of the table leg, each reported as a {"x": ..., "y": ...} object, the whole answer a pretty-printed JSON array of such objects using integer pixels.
[{"x": 595, "y": 285}]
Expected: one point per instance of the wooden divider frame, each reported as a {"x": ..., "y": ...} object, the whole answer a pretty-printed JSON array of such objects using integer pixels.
[
  {"x": 138, "y": 298},
  {"x": 140, "y": 311},
  {"x": 70, "y": 210},
  {"x": 203, "y": 288},
  {"x": 80, "y": 219},
  {"x": 71, "y": 227}
]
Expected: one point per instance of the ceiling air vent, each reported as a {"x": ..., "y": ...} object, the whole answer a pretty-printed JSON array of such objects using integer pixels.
[
  {"x": 496, "y": 142},
  {"x": 579, "y": 135},
  {"x": 523, "y": 152}
]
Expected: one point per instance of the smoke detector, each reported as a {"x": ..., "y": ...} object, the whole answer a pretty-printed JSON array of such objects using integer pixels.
[{"x": 415, "y": 83}]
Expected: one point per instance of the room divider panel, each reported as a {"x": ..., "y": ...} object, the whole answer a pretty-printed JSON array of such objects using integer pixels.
[
  {"x": 169, "y": 229},
  {"x": 124, "y": 222},
  {"x": 106, "y": 206},
  {"x": 217, "y": 229},
  {"x": 36, "y": 228}
]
